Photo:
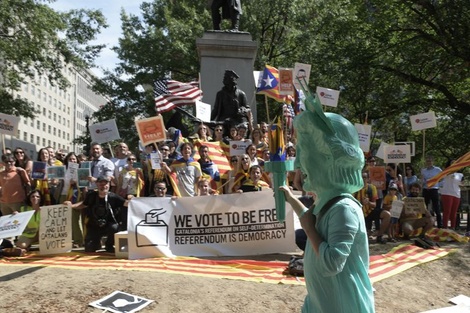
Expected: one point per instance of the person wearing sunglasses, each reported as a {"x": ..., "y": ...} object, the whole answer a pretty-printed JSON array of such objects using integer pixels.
[
  {"x": 131, "y": 179},
  {"x": 23, "y": 160},
  {"x": 14, "y": 186}
]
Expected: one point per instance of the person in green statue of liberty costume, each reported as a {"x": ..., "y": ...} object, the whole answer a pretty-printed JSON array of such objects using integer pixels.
[{"x": 336, "y": 259}]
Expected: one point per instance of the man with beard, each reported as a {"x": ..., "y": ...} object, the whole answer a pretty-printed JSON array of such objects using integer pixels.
[{"x": 100, "y": 166}]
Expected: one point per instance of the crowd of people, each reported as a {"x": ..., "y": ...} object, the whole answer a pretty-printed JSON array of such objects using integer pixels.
[{"x": 187, "y": 169}]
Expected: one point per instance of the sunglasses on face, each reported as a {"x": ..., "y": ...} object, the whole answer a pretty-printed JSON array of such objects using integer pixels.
[
  {"x": 218, "y": 130},
  {"x": 160, "y": 188},
  {"x": 131, "y": 159},
  {"x": 234, "y": 161},
  {"x": 19, "y": 152},
  {"x": 165, "y": 149}
]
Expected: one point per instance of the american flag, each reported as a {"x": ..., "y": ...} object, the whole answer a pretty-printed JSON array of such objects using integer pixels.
[{"x": 171, "y": 93}]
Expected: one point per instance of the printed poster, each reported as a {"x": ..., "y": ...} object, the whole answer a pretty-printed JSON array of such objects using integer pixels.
[
  {"x": 377, "y": 177},
  {"x": 364, "y": 132},
  {"x": 104, "y": 132},
  {"x": 72, "y": 171},
  {"x": 13, "y": 225},
  {"x": 301, "y": 73},
  {"x": 155, "y": 160},
  {"x": 55, "y": 229},
  {"x": 397, "y": 154},
  {"x": 286, "y": 84},
  {"x": 238, "y": 147},
  {"x": 423, "y": 121},
  {"x": 328, "y": 97},
  {"x": 151, "y": 130},
  {"x": 56, "y": 172},
  {"x": 9, "y": 124},
  {"x": 39, "y": 170},
  {"x": 223, "y": 225},
  {"x": 82, "y": 175}
]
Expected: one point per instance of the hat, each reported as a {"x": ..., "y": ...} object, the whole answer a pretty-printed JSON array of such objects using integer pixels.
[
  {"x": 393, "y": 186},
  {"x": 103, "y": 178},
  {"x": 231, "y": 73}
]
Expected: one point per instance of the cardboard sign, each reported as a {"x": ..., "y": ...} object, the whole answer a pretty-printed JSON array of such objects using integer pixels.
[
  {"x": 104, "y": 132},
  {"x": 151, "y": 130},
  {"x": 302, "y": 74},
  {"x": 55, "y": 230},
  {"x": 286, "y": 84},
  {"x": 238, "y": 147},
  {"x": 414, "y": 205},
  {"x": 39, "y": 170},
  {"x": 203, "y": 111},
  {"x": 423, "y": 121},
  {"x": 9, "y": 124},
  {"x": 397, "y": 154},
  {"x": 364, "y": 132},
  {"x": 14, "y": 224},
  {"x": 377, "y": 177},
  {"x": 328, "y": 97},
  {"x": 397, "y": 207}
]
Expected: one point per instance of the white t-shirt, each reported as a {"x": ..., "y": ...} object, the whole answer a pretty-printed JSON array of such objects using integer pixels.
[{"x": 451, "y": 185}]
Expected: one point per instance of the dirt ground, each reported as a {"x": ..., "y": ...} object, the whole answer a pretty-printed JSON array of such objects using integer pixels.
[{"x": 54, "y": 290}]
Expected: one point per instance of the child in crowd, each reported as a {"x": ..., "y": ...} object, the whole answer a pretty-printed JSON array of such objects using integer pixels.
[
  {"x": 204, "y": 188},
  {"x": 387, "y": 205}
]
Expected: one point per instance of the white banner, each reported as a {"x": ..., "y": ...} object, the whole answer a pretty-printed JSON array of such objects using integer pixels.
[
  {"x": 14, "y": 224},
  {"x": 203, "y": 111},
  {"x": 328, "y": 97},
  {"x": 409, "y": 143},
  {"x": 55, "y": 229},
  {"x": 364, "y": 132},
  {"x": 104, "y": 132},
  {"x": 223, "y": 225},
  {"x": 423, "y": 121},
  {"x": 9, "y": 124},
  {"x": 397, "y": 154},
  {"x": 238, "y": 147}
]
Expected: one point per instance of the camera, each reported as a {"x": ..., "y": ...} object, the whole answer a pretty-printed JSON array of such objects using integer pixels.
[{"x": 101, "y": 222}]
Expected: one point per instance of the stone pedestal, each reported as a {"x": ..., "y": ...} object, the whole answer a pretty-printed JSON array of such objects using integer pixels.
[{"x": 223, "y": 50}]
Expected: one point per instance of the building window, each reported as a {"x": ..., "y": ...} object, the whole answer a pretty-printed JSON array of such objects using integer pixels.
[
  {"x": 43, "y": 142},
  {"x": 63, "y": 135},
  {"x": 25, "y": 87},
  {"x": 32, "y": 123},
  {"x": 44, "y": 97},
  {"x": 25, "y": 136},
  {"x": 58, "y": 133},
  {"x": 44, "y": 81},
  {"x": 38, "y": 125},
  {"x": 54, "y": 132},
  {"x": 48, "y": 142},
  {"x": 43, "y": 127},
  {"x": 33, "y": 90},
  {"x": 55, "y": 117},
  {"x": 55, "y": 103},
  {"x": 25, "y": 121},
  {"x": 68, "y": 136},
  {"x": 31, "y": 138},
  {"x": 49, "y": 129},
  {"x": 38, "y": 140},
  {"x": 44, "y": 111},
  {"x": 39, "y": 94},
  {"x": 49, "y": 114},
  {"x": 50, "y": 100}
]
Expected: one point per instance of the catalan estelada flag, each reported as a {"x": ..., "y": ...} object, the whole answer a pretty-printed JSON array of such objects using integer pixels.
[
  {"x": 461, "y": 162},
  {"x": 269, "y": 84}
]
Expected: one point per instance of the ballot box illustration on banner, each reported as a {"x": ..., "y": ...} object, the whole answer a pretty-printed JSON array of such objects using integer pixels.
[{"x": 152, "y": 231}]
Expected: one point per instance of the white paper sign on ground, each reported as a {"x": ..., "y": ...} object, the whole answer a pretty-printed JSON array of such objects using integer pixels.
[
  {"x": 9, "y": 124},
  {"x": 364, "y": 132},
  {"x": 328, "y": 97},
  {"x": 121, "y": 302},
  {"x": 397, "y": 154},
  {"x": 423, "y": 121},
  {"x": 223, "y": 225},
  {"x": 55, "y": 230},
  {"x": 203, "y": 111},
  {"x": 104, "y": 132},
  {"x": 14, "y": 224}
]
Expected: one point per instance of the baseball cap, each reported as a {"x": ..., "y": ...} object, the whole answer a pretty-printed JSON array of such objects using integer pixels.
[
  {"x": 393, "y": 186},
  {"x": 103, "y": 178}
]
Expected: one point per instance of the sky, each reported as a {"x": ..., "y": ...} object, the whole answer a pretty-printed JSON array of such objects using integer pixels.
[{"x": 111, "y": 10}]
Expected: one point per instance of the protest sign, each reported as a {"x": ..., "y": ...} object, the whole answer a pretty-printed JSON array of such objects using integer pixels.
[
  {"x": 397, "y": 154},
  {"x": 56, "y": 172},
  {"x": 121, "y": 302},
  {"x": 238, "y": 147},
  {"x": 407, "y": 143},
  {"x": 414, "y": 205},
  {"x": 423, "y": 121},
  {"x": 155, "y": 160},
  {"x": 72, "y": 171},
  {"x": 223, "y": 225},
  {"x": 203, "y": 111},
  {"x": 9, "y": 124},
  {"x": 83, "y": 174},
  {"x": 55, "y": 229},
  {"x": 377, "y": 177},
  {"x": 151, "y": 130},
  {"x": 104, "y": 132},
  {"x": 302, "y": 74},
  {"x": 286, "y": 84},
  {"x": 39, "y": 170},
  {"x": 328, "y": 97},
  {"x": 397, "y": 207},
  {"x": 14, "y": 224},
  {"x": 364, "y": 132},
  {"x": 381, "y": 150}
]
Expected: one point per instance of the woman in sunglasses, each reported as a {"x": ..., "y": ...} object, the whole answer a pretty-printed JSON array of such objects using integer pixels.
[
  {"x": 23, "y": 160},
  {"x": 131, "y": 179}
]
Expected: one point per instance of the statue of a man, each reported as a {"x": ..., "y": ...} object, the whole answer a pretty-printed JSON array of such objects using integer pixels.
[
  {"x": 231, "y": 9},
  {"x": 231, "y": 105}
]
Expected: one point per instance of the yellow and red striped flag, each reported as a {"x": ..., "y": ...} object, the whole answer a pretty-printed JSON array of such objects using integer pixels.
[
  {"x": 461, "y": 162},
  {"x": 219, "y": 153}
]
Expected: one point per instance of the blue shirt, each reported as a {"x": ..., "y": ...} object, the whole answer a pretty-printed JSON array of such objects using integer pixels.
[
  {"x": 337, "y": 278},
  {"x": 428, "y": 173}
]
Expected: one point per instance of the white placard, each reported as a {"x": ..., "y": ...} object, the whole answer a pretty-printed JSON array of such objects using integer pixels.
[
  {"x": 256, "y": 76},
  {"x": 9, "y": 124},
  {"x": 423, "y": 121},
  {"x": 364, "y": 132},
  {"x": 397, "y": 207},
  {"x": 238, "y": 147},
  {"x": 155, "y": 160},
  {"x": 203, "y": 111},
  {"x": 409, "y": 143},
  {"x": 13, "y": 225},
  {"x": 397, "y": 154},
  {"x": 104, "y": 132},
  {"x": 301, "y": 72},
  {"x": 55, "y": 230},
  {"x": 381, "y": 150},
  {"x": 223, "y": 225},
  {"x": 328, "y": 97},
  {"x": 72, "y": 171}
]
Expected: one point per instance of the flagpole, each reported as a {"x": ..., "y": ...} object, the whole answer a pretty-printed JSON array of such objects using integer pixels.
[
  {"x": 424, "y": 140},
  {"x": 266, "y": 104}
]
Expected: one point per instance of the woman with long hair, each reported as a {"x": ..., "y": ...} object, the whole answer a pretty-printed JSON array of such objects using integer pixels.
[
  {"x": 243, "y": 172},
  {"x": 43, "y": 184},
  {"x": 30, "y": 235},
  {"x": 23, "y": 160},
  {"x": 131, "y": 179}
]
